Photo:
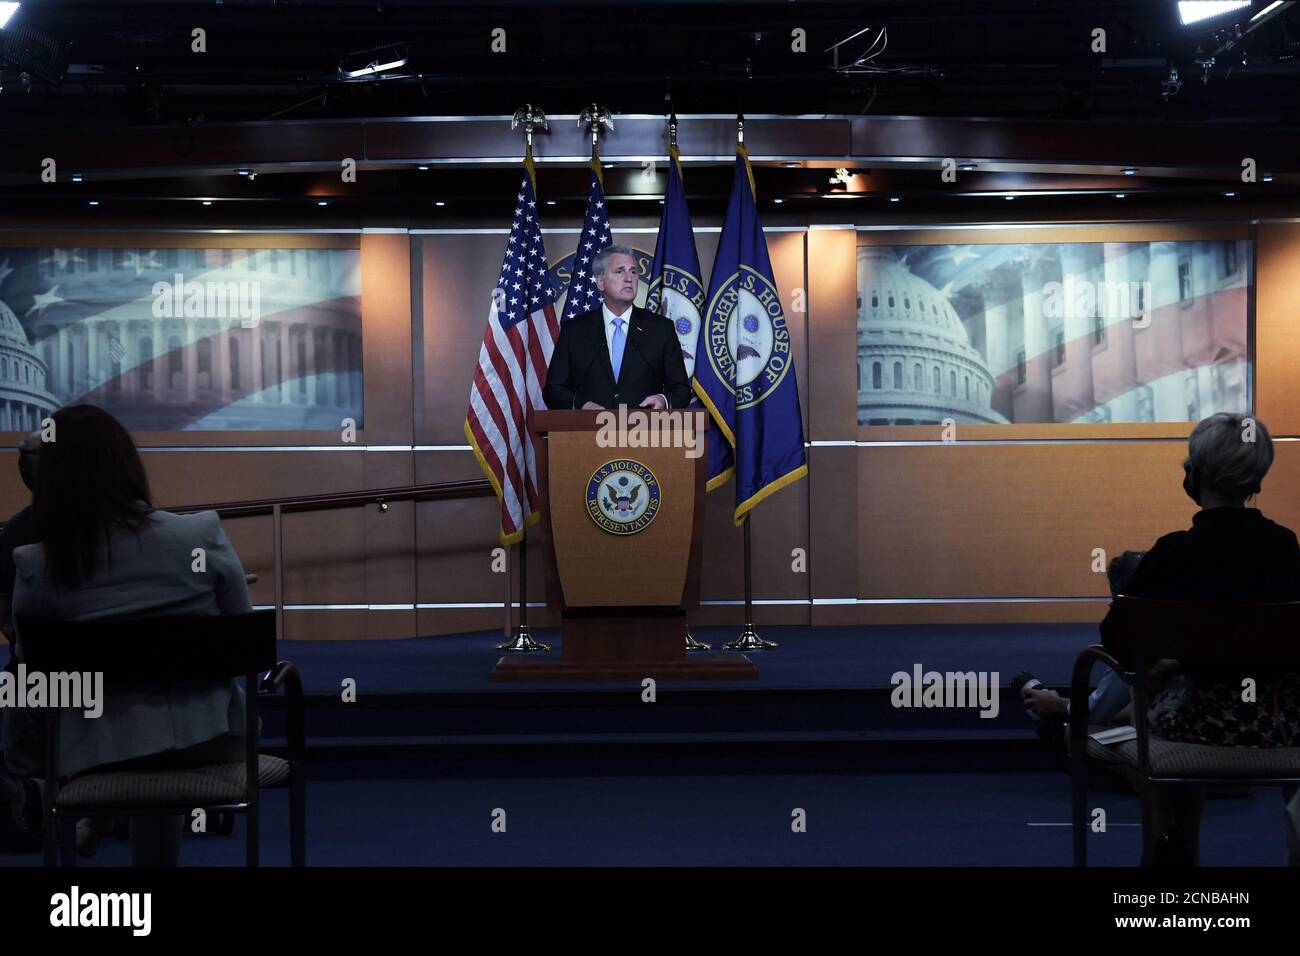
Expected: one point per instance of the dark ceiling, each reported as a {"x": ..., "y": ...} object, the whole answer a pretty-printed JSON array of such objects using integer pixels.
[
  {"x": 132, "y": 62},
  {"x": 82, "y": 80}
]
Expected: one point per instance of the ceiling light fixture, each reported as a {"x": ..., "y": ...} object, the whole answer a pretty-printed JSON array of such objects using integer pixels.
[{"x": 1192, "y": 12}]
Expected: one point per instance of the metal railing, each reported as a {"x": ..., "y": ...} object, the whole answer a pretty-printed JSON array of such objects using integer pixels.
[{"x": 382, "y": 497}]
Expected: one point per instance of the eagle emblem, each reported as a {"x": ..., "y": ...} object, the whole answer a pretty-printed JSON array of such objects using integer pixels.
[
  {"x": 622, "y": 499},
  {"x": 623, "y": 496}
]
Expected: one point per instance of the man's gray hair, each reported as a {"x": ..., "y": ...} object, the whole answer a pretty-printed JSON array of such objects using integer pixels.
[
  {"x": 1232, "y": 452},
  {"x": 602, "y": 258}
]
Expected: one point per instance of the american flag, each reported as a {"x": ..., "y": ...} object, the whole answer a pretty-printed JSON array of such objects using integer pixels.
[
  {"x": 583, "y": 294},
  {"x": 521, "y": 332}
]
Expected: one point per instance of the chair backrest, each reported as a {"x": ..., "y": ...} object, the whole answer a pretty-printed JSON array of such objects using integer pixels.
[
  {"x": 1196, "y": 631},
  {"x": 154, "y": 648}
]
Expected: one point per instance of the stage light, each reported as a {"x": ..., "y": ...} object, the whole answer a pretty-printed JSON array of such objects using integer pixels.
[
  {"x": 1229, "y": 194},
  {"x": 550, "y": 202},
  {"x": 322, "y": 202},
  {"x": 895, "y": 199},
  {"x": 1198, "y": 11},
  {"x": 793, "y": 165},
  {"x": 7, "y": 10},
  {"x": 207, "y": 202},
  {"x": 968, "y": 167},
  {"x": 243, "y": 172},
  {"x": 778, "y": 200},
  {"x": 1120, "y": 195},
  {"x": 1267, "y": 177},
  {"x": 76, "y": 177},
  {"x": 1267, "y": 10},
  {"x": 365, "y": 63},
  {"x": 422, "y": 168},
  {"x": 1129, "y": 171},
  {"x": 1008, "y": 197},
  {"x": 93, "y": 202},
  {"x": 439, "y": 202}
]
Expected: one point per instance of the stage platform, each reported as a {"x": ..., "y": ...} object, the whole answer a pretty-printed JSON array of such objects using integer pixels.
[{"x": 821, "y": 703}]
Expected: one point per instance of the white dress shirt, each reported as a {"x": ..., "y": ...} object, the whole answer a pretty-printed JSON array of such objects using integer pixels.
[{"x": 626, "y": 316}]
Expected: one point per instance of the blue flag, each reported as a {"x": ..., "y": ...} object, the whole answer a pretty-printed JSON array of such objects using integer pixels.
[
  {"x": 676, "y": 284},
  {"x": 744, "y": 372}
]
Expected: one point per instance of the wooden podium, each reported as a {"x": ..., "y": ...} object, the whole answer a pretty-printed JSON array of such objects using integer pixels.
[{"x": 623, "y": 526}]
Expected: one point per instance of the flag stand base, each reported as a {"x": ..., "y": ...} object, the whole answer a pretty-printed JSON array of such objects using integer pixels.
[
  {"x": 523, "y": 643},
  {"x": 693, "y": 645},
  {"x": 749, "y": 641}
]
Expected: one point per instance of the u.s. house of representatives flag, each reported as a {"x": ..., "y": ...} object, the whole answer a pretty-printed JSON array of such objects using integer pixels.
[
  {"x": 521, "y": 332},
  {"x": 744, "y": 370},
  {"x": 676, "y": 285}
]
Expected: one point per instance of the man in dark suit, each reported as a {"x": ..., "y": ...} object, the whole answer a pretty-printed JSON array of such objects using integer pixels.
[{"x": 617, "y": 354}]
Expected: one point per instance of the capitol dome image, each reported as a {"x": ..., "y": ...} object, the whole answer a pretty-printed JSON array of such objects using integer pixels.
[
  {"x": 24, "y": 400},
  {"x": 916, "y": 364}
]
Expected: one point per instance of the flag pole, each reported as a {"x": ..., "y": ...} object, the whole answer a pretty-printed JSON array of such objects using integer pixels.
[
  {"x": 521, "y": 640},
  {"x": 692, "y": 645},
  {"x": 748, "y": 639}
]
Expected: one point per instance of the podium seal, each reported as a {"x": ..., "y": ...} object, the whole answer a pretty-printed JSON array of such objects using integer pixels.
[{"x": 623, "y": 496}]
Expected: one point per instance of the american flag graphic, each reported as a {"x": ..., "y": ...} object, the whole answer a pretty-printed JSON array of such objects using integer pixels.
[
  {"x": 521, "y": 331},
  {"x": 183, "y": 338},
  {"x": 583, "y": 294}
]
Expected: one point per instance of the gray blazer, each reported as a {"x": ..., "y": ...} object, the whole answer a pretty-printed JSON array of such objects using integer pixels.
[{"x": 149, "y": 577}]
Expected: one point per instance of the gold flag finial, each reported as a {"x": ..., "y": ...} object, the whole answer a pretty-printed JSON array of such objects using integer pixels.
[
  {"x": 530, "y": 117},
  {"x": 594, "y": 117}
]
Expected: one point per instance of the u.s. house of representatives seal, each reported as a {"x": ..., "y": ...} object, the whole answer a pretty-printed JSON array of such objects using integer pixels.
[
  {"x": 679, "y": 296},
  {"x": 747, "y": 335},
  {"x": 623, "y": 496}
]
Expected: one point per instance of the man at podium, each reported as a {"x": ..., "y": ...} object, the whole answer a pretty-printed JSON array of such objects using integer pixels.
[{"x": 617, "y": 354}]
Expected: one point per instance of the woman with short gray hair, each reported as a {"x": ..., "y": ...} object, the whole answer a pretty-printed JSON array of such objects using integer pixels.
[{"x": 1231, "y": 554}]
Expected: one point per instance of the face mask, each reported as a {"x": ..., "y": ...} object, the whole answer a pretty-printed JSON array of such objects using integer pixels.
[{"x": 1192, "y": 483}]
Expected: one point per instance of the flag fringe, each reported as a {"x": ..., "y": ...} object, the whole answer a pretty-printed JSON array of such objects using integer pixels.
[{"x": 771, "y": 488}]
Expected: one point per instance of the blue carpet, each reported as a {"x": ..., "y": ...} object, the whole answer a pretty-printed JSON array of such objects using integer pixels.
[
  {"x": 716, "y": 820},
  {"x": 807, "y": 657}
]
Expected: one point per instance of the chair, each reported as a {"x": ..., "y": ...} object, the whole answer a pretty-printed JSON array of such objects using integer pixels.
[
  {"x": 1148, "y": 630},
  {"x": 164, "y": 651}
]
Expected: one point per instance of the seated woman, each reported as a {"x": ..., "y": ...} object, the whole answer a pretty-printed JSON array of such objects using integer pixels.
[
  {"x": 1231, "y": 554},
  {"x": 104, "y": 551}
]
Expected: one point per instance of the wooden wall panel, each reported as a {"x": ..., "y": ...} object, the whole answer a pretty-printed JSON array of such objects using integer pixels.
[
  {"x": 1277, "y": 327},
  {"x": 954, "y": 521}
]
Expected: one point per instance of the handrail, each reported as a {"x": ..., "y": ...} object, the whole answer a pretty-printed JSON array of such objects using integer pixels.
[
  {"x": 278, "y": 507},
  {"x": 435, "y": 491}
]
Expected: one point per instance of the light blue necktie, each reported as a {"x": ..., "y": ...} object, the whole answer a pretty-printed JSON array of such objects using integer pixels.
[{"x": 616, "y": 347}]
